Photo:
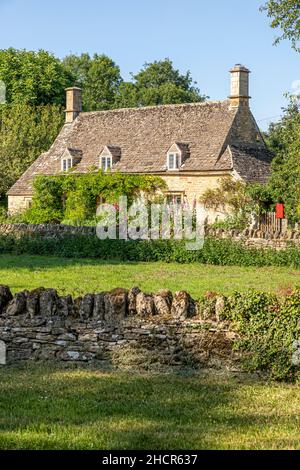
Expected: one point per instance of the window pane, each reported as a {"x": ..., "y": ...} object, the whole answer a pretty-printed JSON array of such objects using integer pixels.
[
  {"x": 174, "y": 199},
  {"x": 64, "y": 165},
  {"x": 103, "y": 163},
  {"x": 108, "y": 162},
  {"x": 171, "y": 161},
  {"x": 177, "y": 160},
  {"x": 69, "y": 163}
]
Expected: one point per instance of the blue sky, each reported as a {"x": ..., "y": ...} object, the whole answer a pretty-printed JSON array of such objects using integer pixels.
[{"x": 206, "y": 37}]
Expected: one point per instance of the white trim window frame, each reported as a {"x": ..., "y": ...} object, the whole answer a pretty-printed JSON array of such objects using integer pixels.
[
  {"x": 106, "y": 162},
  {"x": 66, "y": 163},
  {"x": 173, "y": 161},
  {"x": 175, "y": 198}
]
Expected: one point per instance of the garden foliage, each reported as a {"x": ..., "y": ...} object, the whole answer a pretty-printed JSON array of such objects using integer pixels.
[
  {"x": 73, "y": 198},
  {"x": 269, "y": 332},
  {"x": 215, "y": 251}
]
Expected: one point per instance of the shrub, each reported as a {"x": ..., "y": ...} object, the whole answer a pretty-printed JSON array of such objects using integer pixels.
[
  {"x": 215, "y": 251},
  {"x": 268, "y": 328},
  {"x": 72, "y": 198}
]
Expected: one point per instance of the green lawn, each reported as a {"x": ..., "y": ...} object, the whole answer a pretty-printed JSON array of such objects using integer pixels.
[
  {"x": 81, "y": 276},
  {"x": 54, "y": 408},
  {"x": 57, "y": 408}
]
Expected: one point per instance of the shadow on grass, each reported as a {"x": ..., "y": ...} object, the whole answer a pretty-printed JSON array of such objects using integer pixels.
[
  {"x": 82, "y": 409},
  {"x": 32, "y": 262}
]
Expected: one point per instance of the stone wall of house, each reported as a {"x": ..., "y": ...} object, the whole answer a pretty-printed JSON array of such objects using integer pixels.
[
  {"x": 17, "y": 204},
  {"x": 114, "y": 329},
  {"x": 193, "y": 186}
]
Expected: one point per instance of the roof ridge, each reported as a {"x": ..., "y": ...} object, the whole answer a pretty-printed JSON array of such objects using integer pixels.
[{"x": 158, "y": 106}]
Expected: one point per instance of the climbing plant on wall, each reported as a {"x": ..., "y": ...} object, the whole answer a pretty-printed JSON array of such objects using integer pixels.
[{"x": 72, "y": 198}]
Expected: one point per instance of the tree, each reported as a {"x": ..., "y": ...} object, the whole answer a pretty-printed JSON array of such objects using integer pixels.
[
  {"x": 284, "y": 140},
  {"x": 34, "y": 78},
  {"x": 25, "y": 132},
  {"x": 158, "y": 83},
  {"x": 285, "y": 14},
  {"x": 99, "y": 77},
  {"x": 32, "y": 116}
]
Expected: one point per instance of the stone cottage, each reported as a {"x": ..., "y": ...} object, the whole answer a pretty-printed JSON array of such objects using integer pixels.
[{"x": 191, "y": 146}]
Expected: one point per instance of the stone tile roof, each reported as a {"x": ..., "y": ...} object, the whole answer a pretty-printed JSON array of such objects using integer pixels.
[
  {"x": 251, "y": 163},
  {"x": 76, "y": 153},
  {"x": 141, "y": 137},
  {"x": 116, "y": 152}
]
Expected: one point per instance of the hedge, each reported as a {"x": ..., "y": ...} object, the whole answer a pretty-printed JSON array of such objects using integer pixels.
[
  {"x": 269, "y": 332},
  {"x": 215, "y": 251}
]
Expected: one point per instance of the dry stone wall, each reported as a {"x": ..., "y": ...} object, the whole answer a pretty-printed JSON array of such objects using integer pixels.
[
  {"x": 47, "y": 230},
  {"x": 249, "y": 237},
  {"x": 120, "y": 328},
  {"x": 259, "y": 238}
]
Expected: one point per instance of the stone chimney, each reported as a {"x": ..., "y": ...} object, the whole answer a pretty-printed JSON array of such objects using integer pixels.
[
  {"x": 239, "y": 90},
  {"x": 73, "y": 103}
]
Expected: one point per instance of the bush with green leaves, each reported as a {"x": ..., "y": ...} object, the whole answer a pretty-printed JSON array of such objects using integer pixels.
[
  {"x": 268, "y": 327},
  {"x": 72, "y": 198},
  {"x": 215, "y": 251}
]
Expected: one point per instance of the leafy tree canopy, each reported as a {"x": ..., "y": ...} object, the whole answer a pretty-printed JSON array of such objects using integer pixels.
[
  {"x": 285, "y": 15},
  {"x": 34, "y": 78},
  {"x": 25, "y": 132},
  {"x": 35, "y": 84},
  {"x": 98, "y": 76},
  {"x": 158, "y": 83},
  {"x": 284, "y": 139}
]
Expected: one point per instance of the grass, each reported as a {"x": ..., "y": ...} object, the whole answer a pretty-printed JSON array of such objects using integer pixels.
[
  {"x": 54, "y": 408},
  {"x": 78, "y": 277},
  {"x": 51, "y": 407}
]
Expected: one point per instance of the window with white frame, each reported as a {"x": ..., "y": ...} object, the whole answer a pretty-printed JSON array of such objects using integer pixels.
[
  {"x": 173, "y": 161},
  {"x": 66, "y": 164},
  {"x": 174, "y": 198},
  {"x": 106, "y": 162}
]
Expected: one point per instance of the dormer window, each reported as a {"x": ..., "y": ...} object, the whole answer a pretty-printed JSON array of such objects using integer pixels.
[
  {"x": 70, "y": 158},
  {"x": 109, "y": 156},
  {"x": 106, "y": 163},
  {"x": 173, "y": 161},
  {"x": 176, "y": 156},
  {"x": 66, "y": 164}
]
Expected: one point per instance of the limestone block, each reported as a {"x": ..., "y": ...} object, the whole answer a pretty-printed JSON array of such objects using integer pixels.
[
  {"x": 183, "y": 306},
  {"x": 17, "y": 306},
  {"x": 86, "y": 307},
  {"x": 33, "y": 302},
  {"x": 65, "y": 305},
  {"x": 5, "y": 297},
  {"x": 144, "y": 305},
  {"x": 2, "y": 353},
  {"x": 48, "y": 302},
  {"x": 99, "y": 306},
  {"x": 163, "y": 302},
  {"x": 132, "y": 294},
  {"x": 116, "y": 305}
]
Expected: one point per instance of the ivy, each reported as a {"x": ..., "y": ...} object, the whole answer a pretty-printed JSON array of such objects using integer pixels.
[
  {"x": 268, "y": 328},
  {"x": 72, "y": 198}
]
